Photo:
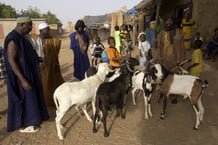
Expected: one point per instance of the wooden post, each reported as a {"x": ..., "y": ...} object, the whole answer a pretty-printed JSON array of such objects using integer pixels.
[{"x": 158, "y": 2}]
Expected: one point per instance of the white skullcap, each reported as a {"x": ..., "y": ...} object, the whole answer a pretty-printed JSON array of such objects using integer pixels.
[
  {"x": 43, "y": 26},
  {"x": 141, "y": 33}
]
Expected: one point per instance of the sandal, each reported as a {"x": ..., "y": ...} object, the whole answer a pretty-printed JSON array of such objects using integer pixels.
[{"x": 29, "y": 129}]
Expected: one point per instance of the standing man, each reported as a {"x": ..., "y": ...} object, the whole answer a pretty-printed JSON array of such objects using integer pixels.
[
  {"x": 48, "y": 50},
  {"x": 79, "y": 42},
  {"x": 170, "y": 46},
  {"x": 26, "y": 105}
]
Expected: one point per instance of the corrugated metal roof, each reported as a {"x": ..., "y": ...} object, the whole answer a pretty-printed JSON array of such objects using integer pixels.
[{"x": 92, "y": 21}]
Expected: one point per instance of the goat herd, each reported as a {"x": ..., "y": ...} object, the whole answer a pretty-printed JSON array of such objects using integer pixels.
[{"x": 104, "y": 91}]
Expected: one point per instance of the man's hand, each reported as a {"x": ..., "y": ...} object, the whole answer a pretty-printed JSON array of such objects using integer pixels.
[{"x": 26, "y": 85}]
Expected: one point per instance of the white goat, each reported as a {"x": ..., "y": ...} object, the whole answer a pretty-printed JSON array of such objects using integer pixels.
[
  {"x": 144, "y": 82},
  {"x": 185, "y": 85},
  {"x": 79, "y": 94}
]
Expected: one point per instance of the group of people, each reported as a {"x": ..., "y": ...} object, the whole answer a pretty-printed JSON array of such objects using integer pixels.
[
  {"x": 33, "y": 69},
  {"x": 33, "y": 73},
  {"x": 173, "y": 41}
]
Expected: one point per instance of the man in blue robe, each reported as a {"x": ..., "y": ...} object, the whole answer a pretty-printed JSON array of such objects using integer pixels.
[{"x": 26, "y": 105}]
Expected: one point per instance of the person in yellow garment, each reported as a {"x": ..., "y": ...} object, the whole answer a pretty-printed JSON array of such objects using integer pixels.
[
  {"x": 188, "y": 24},
  {"x": 48, "y": 50},
  {"x": 170, "y": 45},
  {"x": 197, "y": 60}
]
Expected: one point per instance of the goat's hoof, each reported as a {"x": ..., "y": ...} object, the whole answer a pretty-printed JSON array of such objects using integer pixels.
[
  {"x": 118, "y": 115},
  {"x": 123, "y": 116},
  {"x": 61, "y": 137},
  {"x": 195, "y": 128},
  {"x": 162, "y": 116},
  {"x": 106, "y": 134},
  {"x": 94, "y": 130},
  {"x": 146, "y": 117}
]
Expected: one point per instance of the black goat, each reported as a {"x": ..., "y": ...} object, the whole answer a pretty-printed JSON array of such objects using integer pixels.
[{"x": 113, "y": 93}]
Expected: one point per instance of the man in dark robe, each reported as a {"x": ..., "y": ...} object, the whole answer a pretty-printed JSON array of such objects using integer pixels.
[{"x": 26, "y": 105}]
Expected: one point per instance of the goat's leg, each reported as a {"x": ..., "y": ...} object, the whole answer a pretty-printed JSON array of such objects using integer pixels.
[
  {"x": 133, "y": 96},
  {"x": 93, "y": 108},
  {"x": 59, "y": 126},
  {"x": 197, "y": 113},
  {"x": 123, "y": 111},
  {"x": 85, "y": 112},
  {"x": 96, "y": 115},
  {"x": 149, "y": 106},
  {"x": 164, "y": 106},
  {"x": 146, "y": 106},
  {"x": 201, "y": 109},
  {"x": 106, "y": 133},
  {"x": 123, "y": 107},
  {"x": 78, "y": 111}
]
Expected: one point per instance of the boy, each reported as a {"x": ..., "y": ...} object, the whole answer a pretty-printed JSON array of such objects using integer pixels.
[
  {"x": 113, "y": 55},
  {"x": 197, "y": 61}
]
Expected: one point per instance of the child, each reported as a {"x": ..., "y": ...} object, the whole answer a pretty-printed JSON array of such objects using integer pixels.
[
  {"x": 117, "y": 37},
  {"x": 98, "y": 47},
  {"x": 197, "y": 37},
  {"x": 113, "y": 55},
  {"x": 197, "y": 61},
  {"x": 144, "y": 48}
]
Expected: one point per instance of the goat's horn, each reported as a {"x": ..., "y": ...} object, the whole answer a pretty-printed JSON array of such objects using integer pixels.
[
  {"x": 110, "y": 70},
  {"x": 128, "y": 67}
]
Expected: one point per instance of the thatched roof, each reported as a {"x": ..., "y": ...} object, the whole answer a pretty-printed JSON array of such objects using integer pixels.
[{"x": 145, "y": 5}]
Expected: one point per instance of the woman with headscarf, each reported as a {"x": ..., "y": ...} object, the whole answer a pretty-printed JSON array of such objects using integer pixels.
[{"x": 79, "y": 42}]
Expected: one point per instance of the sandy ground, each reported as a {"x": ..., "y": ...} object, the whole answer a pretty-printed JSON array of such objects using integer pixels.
[{"x": 176, "y": 129}]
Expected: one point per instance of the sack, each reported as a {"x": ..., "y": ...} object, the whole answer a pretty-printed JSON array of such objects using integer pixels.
[{"x": 104, "y": 57}]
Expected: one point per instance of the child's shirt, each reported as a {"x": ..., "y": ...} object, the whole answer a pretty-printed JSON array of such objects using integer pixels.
[
  {"x": 197, "y": 58},
  {"x": 112, "y": 52},
  {"x": 144, "y": 48},
  {"x": 98, "y": 48}
]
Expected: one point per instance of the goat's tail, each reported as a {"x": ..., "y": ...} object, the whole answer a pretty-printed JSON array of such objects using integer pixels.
[
  {"x": 97, "y": 106},
  {"x": 205, "y": 84},
  {"x": 56, "y": 101}
]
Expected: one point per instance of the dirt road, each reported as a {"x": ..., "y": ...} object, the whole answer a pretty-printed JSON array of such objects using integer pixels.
[{"x": 176, "y": 129}]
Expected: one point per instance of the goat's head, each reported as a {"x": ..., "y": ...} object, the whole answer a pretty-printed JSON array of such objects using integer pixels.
[
  {"x": 104, "y": 68},
  {"x": 130, "y": 64},
  {"x": 157, "y": 72}
]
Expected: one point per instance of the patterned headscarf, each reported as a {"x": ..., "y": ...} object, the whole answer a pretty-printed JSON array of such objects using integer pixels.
[{"x": 23, "y": 19}]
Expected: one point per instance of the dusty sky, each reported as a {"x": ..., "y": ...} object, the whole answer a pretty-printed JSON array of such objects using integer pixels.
[{"x": 72, "y": 10}]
